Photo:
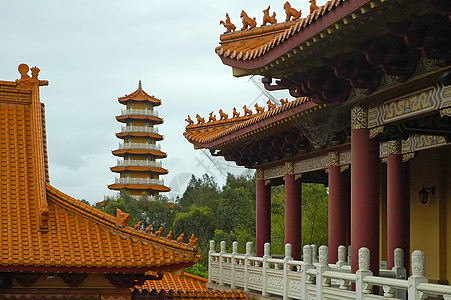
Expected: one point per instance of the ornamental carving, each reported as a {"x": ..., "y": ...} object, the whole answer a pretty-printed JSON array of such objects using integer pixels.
[
  {"x": 259, "y": 174},
  {"x": 295, "y": 286},
  {"x": 256, "y": 279},
  {"x": 433, "y": 98},
  {"x": 334, "y": 158},
  {"x": 275, "y": 281},
  {"x": 345, "y": 157},
  {"x": 289, "y": 168},
  {"x": 418, "y": 263},
  {"x": 394, "y": 147},
  {"x": 312, "y": 164},
  {"x": 407, "y": 105},
  {"x": 275, "y": 172},
  {"x": 359, "y": 117}
]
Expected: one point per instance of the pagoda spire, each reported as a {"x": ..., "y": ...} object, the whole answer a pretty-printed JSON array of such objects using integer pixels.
[{"x": 139, "y": 85}]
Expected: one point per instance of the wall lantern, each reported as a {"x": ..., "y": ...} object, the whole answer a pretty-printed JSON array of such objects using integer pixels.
[{"x": 424, "y": 194}]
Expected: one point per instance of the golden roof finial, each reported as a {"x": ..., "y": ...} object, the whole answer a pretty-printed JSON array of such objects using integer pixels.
[{"x": 140, "y": 85}]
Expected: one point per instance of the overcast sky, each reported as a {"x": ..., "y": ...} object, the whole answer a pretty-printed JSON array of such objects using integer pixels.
[{"x": 93, "y": 52}]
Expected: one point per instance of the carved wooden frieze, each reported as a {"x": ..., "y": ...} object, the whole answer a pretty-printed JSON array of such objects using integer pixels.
[
  {"x": 430, "y": 99},
  {"x": 345, "y": 157},
  {"x": 312, "y": 164},
  {"x": 408, "y": 147},
  {"x": 274, "y": 172},
  {"x": 422, "y": 142}
]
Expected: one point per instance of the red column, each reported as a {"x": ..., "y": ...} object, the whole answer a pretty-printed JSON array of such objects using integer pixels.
[
  {"x": 263, "y": 212},
  {"x": 398, "y": 206},
  {"x": 338, "y": 207},
  {"x": 293, "y": 217},
  {"x": 364, "y": 190}
]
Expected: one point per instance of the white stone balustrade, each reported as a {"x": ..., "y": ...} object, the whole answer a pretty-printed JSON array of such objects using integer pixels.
[
  {"x": 139, "y": 146},
  {"x": 139, "y": 112},
  {"x": 307, "y": 279},
  {"x": 139, "y": 163},
  {"x": 139, "y": 129},
  {"x": 139, "y": 181}
]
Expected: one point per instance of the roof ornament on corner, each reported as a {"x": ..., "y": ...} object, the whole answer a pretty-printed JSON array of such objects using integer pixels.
[
  {"x": 247, "y": 21},
  {"x": 26, "y": 82},
  {"x": 291, "y": 12},
  {"x": 228, "y": 24}
]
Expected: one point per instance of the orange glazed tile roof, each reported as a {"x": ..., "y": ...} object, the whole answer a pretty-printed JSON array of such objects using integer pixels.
[
  {"x": 254, "y": 43},
  {"x": 44, "y": 229},
  {"x": 185, "y": 282},
  {"x": 140, "y": 96},
  {"x": 206, "y": 134}
]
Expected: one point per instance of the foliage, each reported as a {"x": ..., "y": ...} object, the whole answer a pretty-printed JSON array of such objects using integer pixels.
[
  {"x": 198, "y": 270},
  {"x": 200, "y": 192},
  {"x": 159, "y": 212}
]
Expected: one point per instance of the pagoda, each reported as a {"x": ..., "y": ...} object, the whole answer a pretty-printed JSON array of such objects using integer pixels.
[{"x": 139, "y": 167}]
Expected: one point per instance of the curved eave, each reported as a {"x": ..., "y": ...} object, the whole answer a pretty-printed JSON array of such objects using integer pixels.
[
  {"x": 155, "y": 136},
  {"x": 156, "y": 170},
  {"x": 139, "y": 187},
  {"x": 123, "y": 152},
  {"x": 306, "y": 33},
  {"x": 126, "y": 118},
  {"x": 253, "y": 128},
  {"x": 154, "y": 102}
]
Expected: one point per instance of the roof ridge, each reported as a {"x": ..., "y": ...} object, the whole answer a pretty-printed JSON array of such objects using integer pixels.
[{"x": 100, "y": 217}]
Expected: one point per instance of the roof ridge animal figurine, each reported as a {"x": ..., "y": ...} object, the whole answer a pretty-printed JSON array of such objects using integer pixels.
[
  {"x": 258, "y": 108},
  {"x": 149, "y": 229},
  {"x": 313, "y": 6},
  {"x": 227, "y": 24},
  {"x": 270, "y": 104},
  {"x": 223, "y": 116},
  {"x": 283, "y": 101},
  {"x": 190, "y": 122},
  {"x": 247, "y": 22},
  {"x": 235, "y": 113},
  {"x": 267, "y": 18},
  {"x": 138, "y": 226},
  {"x": 159, "y": 231},
  {"x": 247, "y": 111},
  {"x": 291, "y": 12},
  {"x": 193, "y": 240},
  {"x": 169, "y": 236},
  {"x": 200, "y": 120},
  {"x": 180, "y": 238},
  {"x": 212, "y": 117}
]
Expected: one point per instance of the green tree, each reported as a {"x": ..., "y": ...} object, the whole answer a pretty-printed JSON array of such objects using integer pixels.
[
  {"x": 200, "y": 221},
  {"x": 200, "y": 192}
]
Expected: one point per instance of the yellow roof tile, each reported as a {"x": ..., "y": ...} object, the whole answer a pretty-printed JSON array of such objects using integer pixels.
[{"x": 76, "y": 236}]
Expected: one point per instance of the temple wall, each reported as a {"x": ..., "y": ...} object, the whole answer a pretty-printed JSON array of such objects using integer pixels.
[{"x": 430, "y": 231}]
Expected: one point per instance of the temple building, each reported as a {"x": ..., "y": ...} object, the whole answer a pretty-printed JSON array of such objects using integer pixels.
[
  {"x": 53, "y": 246},
  {"x": 370, "y": 118},
  {"x": 140, "y": 167}
]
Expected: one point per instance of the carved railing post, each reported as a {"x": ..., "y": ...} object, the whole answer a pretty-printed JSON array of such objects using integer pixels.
[
  {"x": 286, "y": 268},
  {"x": 232, "y": 262},
  {"x": 212, "y": 250},
  {"x": 266, "y": 256},
  {"x": 400, "y": 270},
  {"x": 249, "y": 253},
  {"x": 322, "y": 266},
  {"x": 418, "y": 271},
  {"x": 221, "y": 262},
  {"x": 341, "y": 257},
  {"x": 314, "y": 253},
  {"x": 306, "y": 265},
  {"x": 364, "y": 270}
]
